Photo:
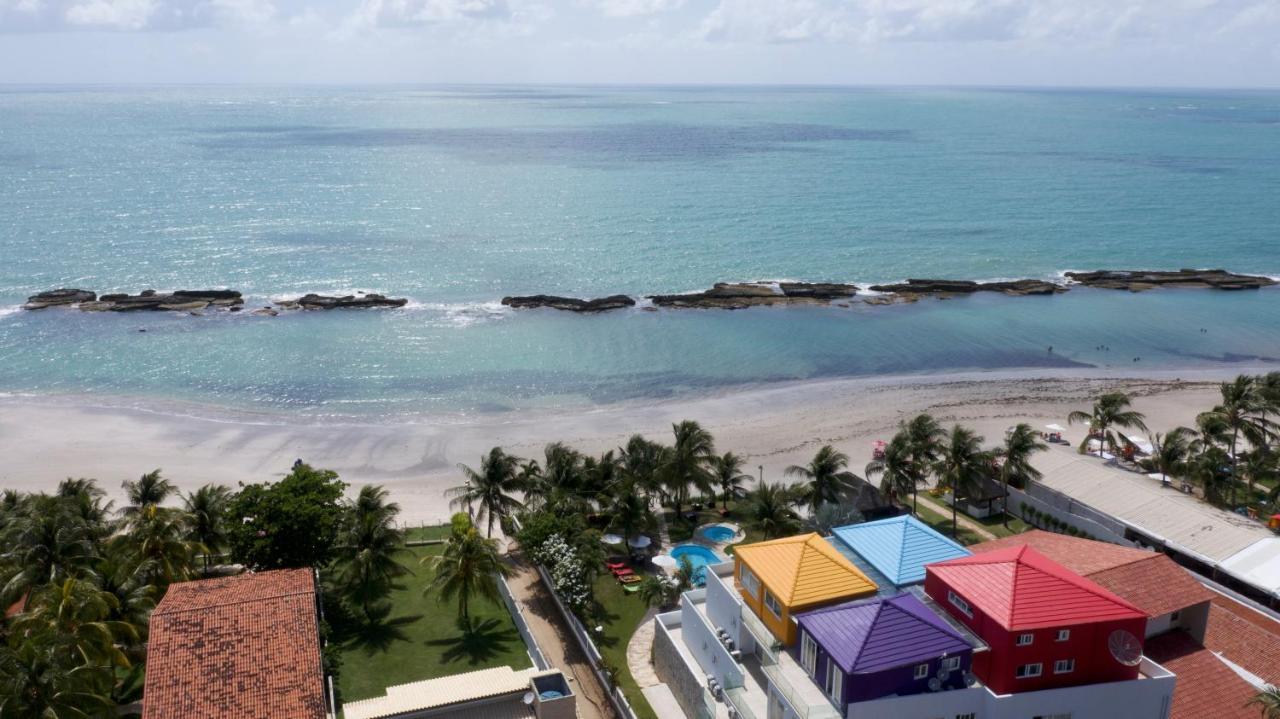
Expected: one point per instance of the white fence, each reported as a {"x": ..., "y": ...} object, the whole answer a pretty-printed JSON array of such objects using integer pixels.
[
  {"x": 517, "y": 615},
  {"x": 616, "y": 698}
]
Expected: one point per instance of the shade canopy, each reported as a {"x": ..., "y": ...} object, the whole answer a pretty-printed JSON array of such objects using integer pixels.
[
  {"x": 664, "y": 561},
  {"x": 1055, "y": 428},
  {"x": 639, "y": 541},
  {"x": 611, "y": 539}
]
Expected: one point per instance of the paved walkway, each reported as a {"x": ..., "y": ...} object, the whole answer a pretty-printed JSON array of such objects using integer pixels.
[
  {"x": 962, "y": 520},
  {"x": 556, "y": 641},
  {"x": 640, "y": 654}
]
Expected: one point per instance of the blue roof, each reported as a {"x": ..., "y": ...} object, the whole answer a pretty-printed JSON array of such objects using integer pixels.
[
  {"x": 899, "y": 547},
  {"x": 876, "y": 634}
]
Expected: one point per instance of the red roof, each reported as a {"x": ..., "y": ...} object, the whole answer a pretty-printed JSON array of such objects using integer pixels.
[
  {"x": 245, "y": 647},
  {"x": 1206, "y": 687},
  {"x": 1023, "y": 589},
  {"x": 1148, "y": 580},
  {"x": 1244, "y": 636}
]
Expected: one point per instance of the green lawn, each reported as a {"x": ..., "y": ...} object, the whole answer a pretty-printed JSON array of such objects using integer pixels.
[
  {"x": 621, "y": 614},
  {"x": 421, "y": 638},
  {"x": 943, "y": 525},
  {"x": 995, "y": 525},
  {"x": 416, "y": 534}
]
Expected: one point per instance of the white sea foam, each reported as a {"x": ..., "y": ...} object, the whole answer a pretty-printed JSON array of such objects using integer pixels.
[
  {"x": 9, "y": 311},
  {"x": 462, "y": 314}
]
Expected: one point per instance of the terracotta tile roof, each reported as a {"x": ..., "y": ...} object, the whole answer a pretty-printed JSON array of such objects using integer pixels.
[
  {"x": 1022, "y": 589},
  {"x": 804, "y": 570},
  {"x": 1205, "y": 686},
  {"x": 1242, "y": 635},
  {"x": 1148, "y": 580},
  {"x": 246, "y": 647}
]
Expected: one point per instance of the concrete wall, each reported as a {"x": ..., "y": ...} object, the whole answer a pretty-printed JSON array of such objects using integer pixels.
[
  {"x": 1068, "y": 510},
  {"x": 724, "y": 607},
  {"x": 672, "y": 669},
  {"x": 1148, "y": 698},
  {"x": 1193, "y": 619},
  {"x": 700, "y": 638}
]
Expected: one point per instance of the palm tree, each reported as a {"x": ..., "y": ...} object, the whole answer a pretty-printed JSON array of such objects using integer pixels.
[
  {"x": 467, "y": 569},
  {"x": 1267, "y": 701},
  {"x": 367, "y": 567},
  {"x": 38, "y": 681},
  {"x": 629, "y": 513},
  {"x": 157, "y": 537},
  {"x": 1260, "y": 465},
  {"x": 898, "y": 475},
  {"x": 43, "y": 544},
  {"x": 150, "y": 489},
  {"x": 1211, "y": 468},
  {"x": 1169, "y": 453},
  {"x": 924, "y": 439},
  {"x": 1019, "y": 444},
  {"x": 727, "y": 472},
  {"x": 641, "y": 462},
  {"x": 686, "y": 462},
  {"x": 206, "y": 521},
  {"x": 1109, "y": 410},
  {"x": 825, "y": 476},
  {"x": 961, "y": 467},
  {"x": 487, "y": 494},
  {"x": 769, "y": 510},
  {"x": 78, "y": 614},
  {"x": 653, "y": 591},
  {"x": 1243, "y": 413}
]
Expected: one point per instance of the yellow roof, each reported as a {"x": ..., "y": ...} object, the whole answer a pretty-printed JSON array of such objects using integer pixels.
[{"x": 804, "y": 570}]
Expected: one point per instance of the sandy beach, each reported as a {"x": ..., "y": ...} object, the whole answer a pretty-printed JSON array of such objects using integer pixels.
[{"x": 43, "y": 440}]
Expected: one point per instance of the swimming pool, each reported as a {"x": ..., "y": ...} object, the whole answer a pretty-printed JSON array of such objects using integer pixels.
[
  {"x": 718, "y": 533},
  {"x": 698, "y": 556}
]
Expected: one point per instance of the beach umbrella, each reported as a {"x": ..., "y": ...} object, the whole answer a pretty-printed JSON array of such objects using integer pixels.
[
  {"x": 1055, "y": 428},
  {"x": 611, "y": 539},
  {"x": 639, "y": 542},
  {"x": 666, "y": 561}
]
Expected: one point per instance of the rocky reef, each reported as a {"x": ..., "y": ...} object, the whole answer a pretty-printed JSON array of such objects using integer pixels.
[
  {"x": 570, "y": 304},
  {"x": 1140, "y": 280},
  {"x": 150, "y": 300},
  {"x": 734, "y": 296},
  {"x": 54, "y": 298},
  {"x": 325, "y": 302},
  {"x": 964, "y": 287}
]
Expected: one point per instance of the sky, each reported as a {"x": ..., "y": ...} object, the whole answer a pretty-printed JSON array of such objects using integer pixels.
[{"x": 1098, "y": 43}]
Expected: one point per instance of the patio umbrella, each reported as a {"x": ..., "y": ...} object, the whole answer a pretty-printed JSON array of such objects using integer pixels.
[
  {"x": 611, "y": 539},
  {"x": 1055, "y": 428},
  {"x": 639, "y": 542},
  {"x": 665, "y": 561}
]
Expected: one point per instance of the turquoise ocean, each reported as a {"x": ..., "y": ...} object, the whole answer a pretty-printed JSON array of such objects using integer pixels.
[{"x": 456, "y": 196}]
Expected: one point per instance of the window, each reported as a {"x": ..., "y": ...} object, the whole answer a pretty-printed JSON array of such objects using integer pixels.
[
  {"x": 1064, "y": 635},
  {"x": 1064, "y": 666},
  {"x": 951, "y": 663},
  {"x": 774, "y": 608},
  {"x": 1024, "y": 640},
  {"x": 835, "y": 683},
  {"x": 922, "y": 670},
  {"x": 959, "y": 603},
  {"x": 749, "y": 581},
  {"x": 1027, "y": 671},
  {"x": 809, "y": 655}
]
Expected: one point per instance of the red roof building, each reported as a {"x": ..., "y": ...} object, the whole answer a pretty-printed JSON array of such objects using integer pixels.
[
  {"x": 246, "y": 647},
  {"x": 1047, "y": 626}
]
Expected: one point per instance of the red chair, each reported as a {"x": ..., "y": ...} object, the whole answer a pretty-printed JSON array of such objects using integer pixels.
[
  {"x": 614, "y": 566},
  {"x": 622, "y": 572}
]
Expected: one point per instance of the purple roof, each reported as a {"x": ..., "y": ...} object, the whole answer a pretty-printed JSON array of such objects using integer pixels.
[{"x": 876, "y": 634}]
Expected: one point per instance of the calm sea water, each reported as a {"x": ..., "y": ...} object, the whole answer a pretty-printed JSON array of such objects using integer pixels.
[{"x": 455, "y": 197}]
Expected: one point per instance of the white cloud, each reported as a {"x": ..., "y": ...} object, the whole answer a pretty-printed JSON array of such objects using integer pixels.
[
  {"x": 114, "y": 14},
  {"x": 401, "y": 13},
  {"x": 632, "y": 8}
]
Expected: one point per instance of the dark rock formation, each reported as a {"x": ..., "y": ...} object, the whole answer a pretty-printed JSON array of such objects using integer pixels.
[
  {"x": 63, "y": 296},
  {"x": 570, "y": 304},
  {"x": 1139, "y": 280},
  {"x": 964, "y": 287},
  {"x": 734, "y": 296},
  {"x": 324, "y": 302},
  {"x": 178, "y": 301}
]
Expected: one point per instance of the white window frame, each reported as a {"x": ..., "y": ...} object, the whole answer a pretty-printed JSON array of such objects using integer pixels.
[
  {"x": 1064, "y": 666},
  {"x": 750, "y": 582},
  {"x": 958, "y": 602},
  {"x": 951, "y": 664},
  {"x": 1025, "y": 640},
  {"x": 1064, "y": 635},
  {"x": 835, "y": 682},
  {"x": 809, "y": 655},
  {"x": 1033, "y": 670},
  {"x": 922, "y": 670},
  {"x": 772, "y": 604}
]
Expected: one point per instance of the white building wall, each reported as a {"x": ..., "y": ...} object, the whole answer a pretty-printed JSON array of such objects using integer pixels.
[
  {"x": 724, "y": 606},
  {"x": 700, "y": 638},
  {"x": 1146, "y": 698}
]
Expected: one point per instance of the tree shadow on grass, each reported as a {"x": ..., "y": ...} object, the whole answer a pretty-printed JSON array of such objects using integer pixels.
[
  {"x": 477, "y": 642},
  {"x": 377, "y": 636}
]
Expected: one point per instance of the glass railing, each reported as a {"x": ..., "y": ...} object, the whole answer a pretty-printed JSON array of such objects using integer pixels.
[
  {"x": 707, "y": 707},
  {"x": 737, "y": 697},
  {"x": 764, "y": 638},
  {"x": 806, "y": 707}
]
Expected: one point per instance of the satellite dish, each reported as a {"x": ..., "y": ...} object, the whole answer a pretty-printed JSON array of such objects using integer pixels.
[
  {"x": 935, "y": 684},
  {"x": 1125, "y": 648},
  {"x": 527, "y": 699},
  {"x": 970, "y": 679}
]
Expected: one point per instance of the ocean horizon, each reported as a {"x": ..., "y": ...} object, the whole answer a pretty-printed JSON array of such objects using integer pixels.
[{"x": 456, "y": 196}]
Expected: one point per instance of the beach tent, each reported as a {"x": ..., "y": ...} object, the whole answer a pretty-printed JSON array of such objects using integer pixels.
[{"x": 1142, "y": 445}]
